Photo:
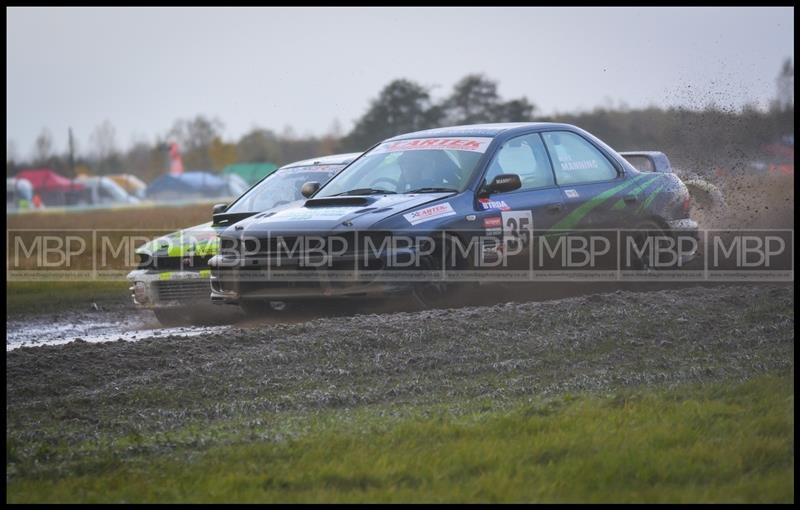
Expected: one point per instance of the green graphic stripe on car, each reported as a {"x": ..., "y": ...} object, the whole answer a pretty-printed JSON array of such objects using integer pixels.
[
  {"x": 650, "y": 198},
  {"x": 578, "y": 214},
  {"x": 202, "y": 248},
  {"x": 178, "y": 244},
  {"x": 619, "y": 205},
  {"x": 169, "y": 275}
]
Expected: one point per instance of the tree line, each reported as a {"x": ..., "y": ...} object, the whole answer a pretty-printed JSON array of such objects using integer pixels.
[{"x": 700, "y": 139}]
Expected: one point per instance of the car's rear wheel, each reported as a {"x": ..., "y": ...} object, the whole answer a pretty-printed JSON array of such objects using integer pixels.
[
  {"x": 642, "y": 255},
  {"x": 646, "y": 238}
]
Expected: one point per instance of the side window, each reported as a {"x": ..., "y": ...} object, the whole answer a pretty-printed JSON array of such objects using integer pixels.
[
  {"x": 575, "y": 160},
  {"x": 526, "y": 157}
]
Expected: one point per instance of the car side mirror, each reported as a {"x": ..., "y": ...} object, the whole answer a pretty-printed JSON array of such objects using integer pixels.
[
  {"x": 309, "y": 188},
  {"x": 503, "y": 183},
  {"x": 219, "y": 208}
]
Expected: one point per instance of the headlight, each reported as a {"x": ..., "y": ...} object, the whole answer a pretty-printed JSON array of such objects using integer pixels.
[{"x": 140, "y": 292}]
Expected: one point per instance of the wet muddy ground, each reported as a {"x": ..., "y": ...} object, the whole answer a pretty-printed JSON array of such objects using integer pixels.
[
  {"x": 106, "y": 322},
  {"x": 90, "y": 393},
  {"x": 665, "y": 334},
  {"x": 119, "y": 319}
]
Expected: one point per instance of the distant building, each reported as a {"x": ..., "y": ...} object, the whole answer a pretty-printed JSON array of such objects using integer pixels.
[{"x": 192, "y": 186}]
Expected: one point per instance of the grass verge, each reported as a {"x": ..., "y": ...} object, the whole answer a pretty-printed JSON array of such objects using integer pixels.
[
  {"x": 36, "y": 297},
  {"x": 721, "y": 442}
]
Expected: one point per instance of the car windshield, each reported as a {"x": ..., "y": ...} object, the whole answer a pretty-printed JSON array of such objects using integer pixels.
[
  {"x": 281, "y": 187},
  {"x": 416, "y": 165}
]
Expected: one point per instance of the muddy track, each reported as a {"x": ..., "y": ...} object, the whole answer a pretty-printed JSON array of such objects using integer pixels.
[
  {"x": 600, "y": 342},
  {"x": 118, "y": 319}
]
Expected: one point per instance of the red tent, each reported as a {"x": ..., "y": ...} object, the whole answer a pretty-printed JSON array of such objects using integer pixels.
[
  {"x": 780, "y": 151},
  {"x": 47, "y": 180}
]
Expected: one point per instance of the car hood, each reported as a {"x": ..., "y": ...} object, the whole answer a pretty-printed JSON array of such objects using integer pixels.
[
  {"x": 200, "y": 240},
  {"x": 319, "y": 215}
]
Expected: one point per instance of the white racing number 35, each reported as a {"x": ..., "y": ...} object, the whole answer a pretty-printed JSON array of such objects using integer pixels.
[{"x": 517, "y": 226}]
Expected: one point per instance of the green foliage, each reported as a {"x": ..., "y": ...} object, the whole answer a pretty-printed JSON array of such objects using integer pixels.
[
  {"x": 258, "y": 146},
  {"x": 475, "y": 100},
  {"x": 402, "y": 106},
  {"x": 714, "y": 443}
]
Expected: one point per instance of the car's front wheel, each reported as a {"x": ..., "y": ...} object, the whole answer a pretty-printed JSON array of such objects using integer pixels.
[
  {"x": 436, "y": 291},
  {"x": 169, "y": 317},
  {"x": 256, "y": 308}
]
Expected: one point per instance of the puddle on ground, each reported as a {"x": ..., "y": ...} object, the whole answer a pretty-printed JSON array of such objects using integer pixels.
[{"x": 131, "y": 328}]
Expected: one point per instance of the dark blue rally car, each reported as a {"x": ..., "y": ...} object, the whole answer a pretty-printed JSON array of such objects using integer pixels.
[{"x": 496, "y": 191}]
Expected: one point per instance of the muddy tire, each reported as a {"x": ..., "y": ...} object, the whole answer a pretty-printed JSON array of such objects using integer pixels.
[
  {"x": 173, "y": 316},
  {"x": 436, "y": 294},
  {"x": 654, "y": 231}
]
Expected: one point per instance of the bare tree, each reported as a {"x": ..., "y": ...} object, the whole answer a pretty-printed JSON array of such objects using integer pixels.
[
  {"x": 11, "y": 152},
  {"x": 195, "y": 138},
  {"x": 43, "y": 146},
  {"x": 288, "y": 133},
  {"x": 103, "y": 140},
  {"x": 195, "y": 133},
  {"x": 11, "y": 158},
  {"x": 71, "y": 148},
  {"x": 74, "y": 145},
  {"x": 335, "y": 129}
]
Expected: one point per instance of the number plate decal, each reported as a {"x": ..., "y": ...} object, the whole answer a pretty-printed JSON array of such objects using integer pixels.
[{"x": 517, "y": 225}]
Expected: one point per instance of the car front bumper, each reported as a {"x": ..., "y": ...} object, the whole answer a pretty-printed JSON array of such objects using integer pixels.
[
  {"x": 168, "y": 289},
  {"x": 237, "y": 279}
]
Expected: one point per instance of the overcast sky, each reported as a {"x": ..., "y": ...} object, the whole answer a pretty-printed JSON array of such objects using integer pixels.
[{"x": 141, "y": 68}]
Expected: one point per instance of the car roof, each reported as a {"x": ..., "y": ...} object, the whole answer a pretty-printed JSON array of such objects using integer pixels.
[
  {"x": 490, "y": 130},
  {"x": 334, "y": 159}
]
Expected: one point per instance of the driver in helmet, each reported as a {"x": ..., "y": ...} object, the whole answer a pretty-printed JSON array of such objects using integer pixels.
[{"x": 418, "y": 170}]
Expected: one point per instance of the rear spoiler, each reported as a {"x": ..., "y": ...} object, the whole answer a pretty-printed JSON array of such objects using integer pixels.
[{"x": 648, "y": 161}]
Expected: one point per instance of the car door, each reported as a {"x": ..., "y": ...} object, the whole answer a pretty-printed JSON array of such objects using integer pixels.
[
  {"x": 533, "y": 208},
  {"x": 596, "y": 191}
]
